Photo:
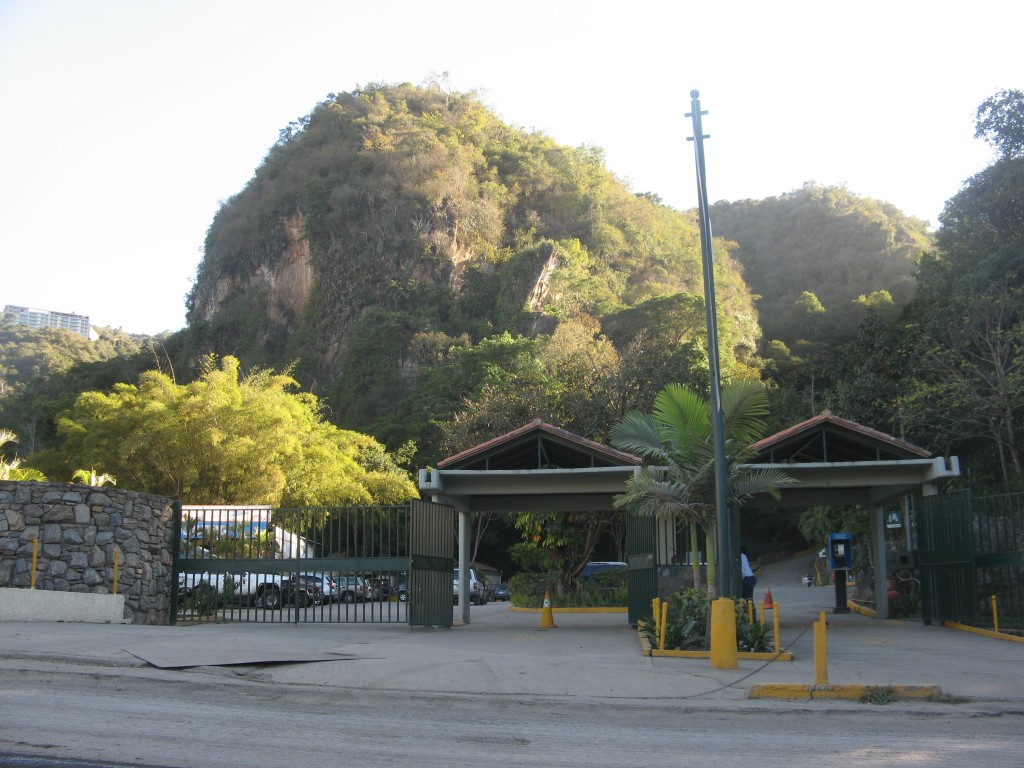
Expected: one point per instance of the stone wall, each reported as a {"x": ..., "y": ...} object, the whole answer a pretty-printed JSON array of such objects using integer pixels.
[{"x": 80, "y": 530}]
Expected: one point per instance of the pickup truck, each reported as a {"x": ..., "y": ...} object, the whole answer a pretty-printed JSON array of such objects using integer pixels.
[{"x": 269, "y": 591}]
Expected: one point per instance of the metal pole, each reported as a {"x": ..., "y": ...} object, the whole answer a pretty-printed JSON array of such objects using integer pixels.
[{"x": 725, "y": 559}]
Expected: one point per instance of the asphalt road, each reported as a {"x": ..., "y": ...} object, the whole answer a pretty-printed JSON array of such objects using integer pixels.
[{"x": 217, "y": 718}]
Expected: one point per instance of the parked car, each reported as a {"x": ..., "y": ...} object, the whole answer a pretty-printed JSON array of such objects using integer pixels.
[
  {"x": 299, "y": 591},
  {"x": 376, "y": 589},
  {"x": 326, "y": 586},
  {"x": 477, "y": 591},
  {"x": 401, "y": 590},
  {"x": 597, "y": 567},
  {"x": 501, "y": 592},
  {"x": 351, "y": 589}
]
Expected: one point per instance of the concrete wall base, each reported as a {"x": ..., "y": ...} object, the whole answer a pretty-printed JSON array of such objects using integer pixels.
[{"x": 47, "y": 605}]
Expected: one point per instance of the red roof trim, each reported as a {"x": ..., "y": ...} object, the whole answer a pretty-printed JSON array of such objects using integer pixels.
[
  {"x": 826, "y": 417},
  {"x": 541, "y": 426}
]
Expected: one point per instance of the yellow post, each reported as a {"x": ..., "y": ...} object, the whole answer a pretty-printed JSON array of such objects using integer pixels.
[
  {"x": 820, "y": 652},
  {"x": 35, "y": 559},
  {"x": 761, "y": 603},
  {"x": 656, "y": 613},
  {"x": 995, "y": 614},
  {"x": 723, "y": 634},
  {"x": 664, "y": 626},
  {"x": 115, "y": 571},
  {"x": 750, "y": 611},
  {"x": 775, "y": 626}
]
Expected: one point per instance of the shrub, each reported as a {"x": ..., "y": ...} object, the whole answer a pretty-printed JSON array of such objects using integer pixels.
[{"x": 689, "y": 623}]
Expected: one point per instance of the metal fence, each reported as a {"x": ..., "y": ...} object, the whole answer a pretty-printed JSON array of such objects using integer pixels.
[
  {"x": 970, "y": 554},
  {"x": 313, "y": 564}
]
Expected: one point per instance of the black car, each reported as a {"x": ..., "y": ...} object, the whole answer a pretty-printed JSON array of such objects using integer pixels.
[{"x": 300, "y": 591}]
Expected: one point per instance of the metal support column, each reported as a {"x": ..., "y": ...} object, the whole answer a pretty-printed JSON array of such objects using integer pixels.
[{"x": 879, "y": 556}]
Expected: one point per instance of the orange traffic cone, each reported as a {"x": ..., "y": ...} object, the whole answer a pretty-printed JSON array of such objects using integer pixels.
[
  {"x": 547, "y": 617},
  {"x": 768, "y": 603}
]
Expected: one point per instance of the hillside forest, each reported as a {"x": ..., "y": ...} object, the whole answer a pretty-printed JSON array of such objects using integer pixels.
[{"x": 406, "y": 275}]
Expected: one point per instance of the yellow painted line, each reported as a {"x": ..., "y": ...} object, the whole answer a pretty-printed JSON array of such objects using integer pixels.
[
  {"x": 983, "y": 632},
  {"x": 862, "y": 610},
  {"x": 852, "y": 692}
]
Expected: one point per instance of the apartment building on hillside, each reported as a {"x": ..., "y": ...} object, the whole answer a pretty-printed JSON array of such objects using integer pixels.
[{"x": 45, "y": 318}]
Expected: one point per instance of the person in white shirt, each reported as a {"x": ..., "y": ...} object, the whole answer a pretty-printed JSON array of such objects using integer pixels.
[{"x": 749, "y": 579}]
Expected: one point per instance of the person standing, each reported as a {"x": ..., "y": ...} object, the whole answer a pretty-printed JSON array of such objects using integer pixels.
[{"x": 749, "y": 579}]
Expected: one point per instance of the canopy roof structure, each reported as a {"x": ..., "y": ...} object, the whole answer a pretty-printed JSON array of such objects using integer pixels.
[
  {"x": 536, "y": 467},
  {"x": 539, "y": 467},
  {"x": 837, "y": 461}
]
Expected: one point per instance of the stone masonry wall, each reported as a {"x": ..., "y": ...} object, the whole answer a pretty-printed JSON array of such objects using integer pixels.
[{"x": 79, "y": 529}]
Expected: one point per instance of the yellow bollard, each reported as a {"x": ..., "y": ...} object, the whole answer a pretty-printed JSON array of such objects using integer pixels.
[
  {"x": 115, "y": 571},
  {"x": 775, "y": 626},
  {"x": 547, "y": 617},
  {"x": 723, "y": 634},
  {"x": 664, "y": 626},
  {"x": 35, "y": 559},
  {"x": 656, "y": 613},
  {"x": 995, "y": 615},
  {"x": 820, "y": 652}
]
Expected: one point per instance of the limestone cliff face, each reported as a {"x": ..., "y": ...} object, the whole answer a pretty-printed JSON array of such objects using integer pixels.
[
  {"x": 286, "y": 284},
  {"x": 292, "y": 279}
]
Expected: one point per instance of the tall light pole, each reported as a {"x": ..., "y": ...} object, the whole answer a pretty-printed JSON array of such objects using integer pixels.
[{"x": 722, "y": 527}]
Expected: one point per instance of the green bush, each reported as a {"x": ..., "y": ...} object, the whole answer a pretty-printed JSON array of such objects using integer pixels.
[
  {"x": 205, "y": 600},
  {"x": 689, "y": 619},
  {"x": 605, "y": 590}
]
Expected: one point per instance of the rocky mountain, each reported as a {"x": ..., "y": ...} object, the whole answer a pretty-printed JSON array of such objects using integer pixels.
[{"x": 395, "y": 221}]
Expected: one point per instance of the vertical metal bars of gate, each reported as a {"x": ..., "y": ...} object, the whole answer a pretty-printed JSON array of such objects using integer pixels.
[
  {"x": 313, "y": 564},
  {"x": 998, "y": 525},
  {"x": 945, "y": 557},
  {"x": 641, "y": 574},
  {"x": 432, "y": 557}
]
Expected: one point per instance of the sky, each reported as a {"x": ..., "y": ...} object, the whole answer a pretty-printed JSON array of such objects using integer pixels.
[{"x": 125, "y": 124}]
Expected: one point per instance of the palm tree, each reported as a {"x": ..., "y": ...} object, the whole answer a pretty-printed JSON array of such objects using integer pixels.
[
  {"x": 12, "y": 470},
  {"x": 677, "y": 480},
  {"x": 89, "y": 477}
]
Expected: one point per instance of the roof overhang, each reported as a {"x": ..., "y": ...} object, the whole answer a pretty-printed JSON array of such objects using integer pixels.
[
  {"x": 860, "y": 483},
  {"x": 587, "y": 489}
]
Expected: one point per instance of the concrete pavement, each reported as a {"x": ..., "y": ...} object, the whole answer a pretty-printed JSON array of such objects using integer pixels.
[{"x": 503, "y": 653}]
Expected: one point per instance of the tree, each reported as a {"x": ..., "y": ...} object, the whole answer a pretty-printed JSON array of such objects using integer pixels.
[
  {"x": 1000, "y": 122},
  {"x": 11, "y": 469},
  {"x": 677, "y": 479},
  {"x": 226, "y": 438},
  {"x": 91, "y": 477}
]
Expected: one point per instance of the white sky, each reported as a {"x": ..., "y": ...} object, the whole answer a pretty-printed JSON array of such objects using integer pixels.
[{"x": 124, "y": 124}]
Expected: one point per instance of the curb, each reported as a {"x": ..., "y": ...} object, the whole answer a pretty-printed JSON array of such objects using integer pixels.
[
  {"x": 983, "y": 632},
  {"x": 570, "y": 610},
  {"x": 647, "y": 650},
  {"x": 849, "y": 692}
]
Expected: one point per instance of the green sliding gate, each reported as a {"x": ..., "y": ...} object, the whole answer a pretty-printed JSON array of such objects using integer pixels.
[
  {"x": 970, "y": 553},
  {"x": 313, "y": 564},
  {"x": 641, "y": 574},
  {"x": 432, "y": 554}
]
